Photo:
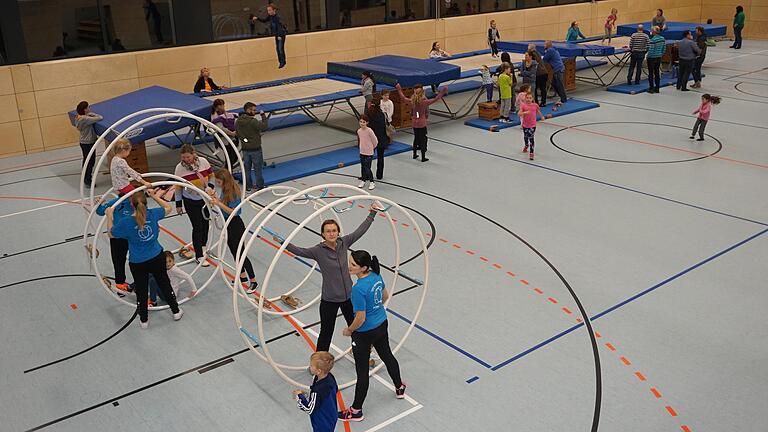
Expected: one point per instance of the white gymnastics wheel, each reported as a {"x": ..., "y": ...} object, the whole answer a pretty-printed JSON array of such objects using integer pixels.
[
  {"x": 178, "y": 181},
  {"x": 264, "y": 352}
]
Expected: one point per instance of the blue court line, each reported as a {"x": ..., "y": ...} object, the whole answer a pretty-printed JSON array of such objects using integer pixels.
[
  {"x": 604, "y": 183},
  {"x": 473, "y": 379},
  {"x": 444, "y": 341},
  {"x": 629, "y": 300},
  {"x": 428, "y": 332}
]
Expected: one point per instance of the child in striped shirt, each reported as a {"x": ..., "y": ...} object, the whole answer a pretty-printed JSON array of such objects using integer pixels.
[{"x": 367, "y": 142}]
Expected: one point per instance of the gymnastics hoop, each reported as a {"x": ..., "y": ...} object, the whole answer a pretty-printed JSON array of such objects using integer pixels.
[{"x": 127, "y": 196}]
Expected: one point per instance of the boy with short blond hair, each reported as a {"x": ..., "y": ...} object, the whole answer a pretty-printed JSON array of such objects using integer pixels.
[{"x": 320, "y": 404}]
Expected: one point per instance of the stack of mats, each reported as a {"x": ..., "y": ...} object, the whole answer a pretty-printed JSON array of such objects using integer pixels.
[
  {"x": 570, "y": 107},
  {"x": 391, "y": 69}
]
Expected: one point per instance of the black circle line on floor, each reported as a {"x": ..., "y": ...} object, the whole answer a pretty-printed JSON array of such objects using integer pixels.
[
  {"x": 736, "y": 86},
  {"x": 552, "y": 140},
  {"x": 584, "y": 315},
  {"x": 213, "y": 362}
]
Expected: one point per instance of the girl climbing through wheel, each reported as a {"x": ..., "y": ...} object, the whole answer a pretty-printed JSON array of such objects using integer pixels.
[
  {"x": 197, "y": 170},
  {"x": 331, "y": 256},
  {"x": 145, "y": 255},
  {"x": 227, "y": 201},
  {"x": 369, "y": 329}
]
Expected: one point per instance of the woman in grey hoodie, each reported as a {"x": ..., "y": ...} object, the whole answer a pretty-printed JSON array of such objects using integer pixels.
[
  {"x": 331, "y": 256},
  {"x": 84, "y": 121}
]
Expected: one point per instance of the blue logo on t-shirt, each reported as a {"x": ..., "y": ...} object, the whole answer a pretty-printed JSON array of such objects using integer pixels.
[{"x": 146, "y": 233}]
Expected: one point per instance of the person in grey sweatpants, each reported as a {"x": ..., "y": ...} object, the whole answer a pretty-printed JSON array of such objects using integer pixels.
[{"x": 331, "y": 256}]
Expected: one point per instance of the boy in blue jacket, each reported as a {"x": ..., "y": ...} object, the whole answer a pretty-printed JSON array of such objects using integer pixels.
[{"x": 320, "y": 403}]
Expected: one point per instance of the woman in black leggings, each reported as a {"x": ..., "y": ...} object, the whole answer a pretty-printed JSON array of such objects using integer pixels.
[
  {"x": 369, "y": 329},
  {"x": 145, "y": 253},
  {"x": 227, "y": 201}
]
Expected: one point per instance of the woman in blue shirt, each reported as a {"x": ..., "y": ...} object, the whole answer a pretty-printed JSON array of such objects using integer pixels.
[
  {"x": 369, "y": 329},
  {"x": 574, "y": 32},
  {"x": 227, "y": 201},
  {"x": 145, "y": 255}
]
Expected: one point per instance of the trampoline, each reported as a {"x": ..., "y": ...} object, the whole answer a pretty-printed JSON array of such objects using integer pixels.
[
  {"x": 674, "y": 29},
  {"x": 392, "y": 69}
]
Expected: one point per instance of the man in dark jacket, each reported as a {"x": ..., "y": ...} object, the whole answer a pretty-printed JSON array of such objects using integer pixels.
[
  {"x": 688, "y": 51},
  {"x": 249, "y": 130},
  {"x": 277, "y": 28}
]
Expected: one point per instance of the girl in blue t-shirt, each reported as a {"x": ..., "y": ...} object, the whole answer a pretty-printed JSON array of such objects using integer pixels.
[
  {"x": 227, "y": 201},
  {"x": 118, "y": 247},
  {"x": 145, "y": 255},
  {"x": 369, "y": 329}
]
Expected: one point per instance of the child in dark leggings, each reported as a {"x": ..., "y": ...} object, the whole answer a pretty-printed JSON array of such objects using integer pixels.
[
  {"x": 527, "y": 114},
  {"x": 369, "y": 329},
  {"x": 707, "y": 100}
]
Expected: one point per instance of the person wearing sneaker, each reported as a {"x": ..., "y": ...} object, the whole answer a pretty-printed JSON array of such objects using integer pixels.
[
  {"x": 177, "y": 277},
  {"x": 145, "y": 255},
  {"x": 419, "y": 116},
  {"x": 118, "y": 247},
  {"x": 366, "y": 143},
  {"x": 702, "y": 115},
  {"x": 227, "y": 201},
  {"x": 331, "y": 256},
  {"x": 84, "y": 121},
  {"x": 197, "y": 170},
  {"x": 369, "y": 329},
  {"x": 527, "y": 114},
  {"x": 320, "y": 403},
  {"x": 377, "y": 121}
]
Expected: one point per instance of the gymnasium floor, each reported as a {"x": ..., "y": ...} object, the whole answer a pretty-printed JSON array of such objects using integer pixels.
[{"x": 661, "y": 239}]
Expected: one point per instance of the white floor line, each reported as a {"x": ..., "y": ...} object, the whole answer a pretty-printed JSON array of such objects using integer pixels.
[
  {"x": 395, "y": 418},
  {"x": 33, "y": 210},
  {"x": 735, "y": 57}
]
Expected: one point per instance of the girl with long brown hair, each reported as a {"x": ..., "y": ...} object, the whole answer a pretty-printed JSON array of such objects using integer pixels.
[
  {"x": 419, "y": 114},
  {"x": 145, "y": 254},
  {"x": 227, "y": 201}
]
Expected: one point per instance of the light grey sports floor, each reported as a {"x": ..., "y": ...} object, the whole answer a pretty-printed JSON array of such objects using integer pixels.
[{"x": 661, "y": 239}]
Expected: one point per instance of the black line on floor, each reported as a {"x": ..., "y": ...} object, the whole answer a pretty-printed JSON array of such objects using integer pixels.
[
  {"x": 736, "y": 86},
  {"x": 552, "y": 140},
  {"x": 214, "y": 366},
  {"x": 674, "y": 113},
  {"x": 63, "y": 359},
  {"x": 46, "y": 278},
  {"x": 582, "y": 311},
  {"x": 600, "y": 182},
  {"x": 175, "y": 376},
  {"x": 39, "y": 178}
]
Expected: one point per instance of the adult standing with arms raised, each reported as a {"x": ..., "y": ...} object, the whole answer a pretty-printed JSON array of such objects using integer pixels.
[
  {"x": 701, "y": 42},
  {"x": 638, "y": 46},
  {"x": 145, "y": 254},
  {"x": 331, "y": 256},
  {"x": 278, "y": 30},
  {"x": 419, "y": 116},
  {"x": 196, "y": 170},
  {"x": 688, "y": 51},
  {"x": 656, "y": 47},
  {"x": 738, "y": 26},
  {"x": 552, "y": 57},
  {"x": 249, "y": 130}
]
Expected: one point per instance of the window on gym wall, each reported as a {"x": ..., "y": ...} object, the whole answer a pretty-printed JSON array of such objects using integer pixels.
[{"x": 138, "y": 24}]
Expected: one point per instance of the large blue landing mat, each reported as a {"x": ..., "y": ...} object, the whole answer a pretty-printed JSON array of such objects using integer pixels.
[
  {"x": 570, "y": 107},
  {"x": 674, "y": 29},
  {"x": 631, "y": 89},
  {"x": 565, "y": 49},
  {"x": 151, "y": 97},
  {"x": 391, "y": 69},
  {"x": 306, "y": 166},
  {"x": 275, "y": 123}
]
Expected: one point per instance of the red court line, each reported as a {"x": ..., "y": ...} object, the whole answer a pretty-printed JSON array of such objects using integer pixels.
[
  {"x": 625, "y": 361},
  {"x": 610, "y": 347},
  {"x": 685, "y": 428},
  {"x": 552, "y": 300},
  {"x": 661, "y": 146},
  {"x": 568, "y": 311},
  {"x": 511, "y": 274},
  {"x": 538, "y": 290},
  {"x": 656, "y": 393},
  {"x": 40, "y": 164},
  {"x": 671, "y": 411},
  {"x": 23, "y": 198},
  {"x": 640, "y": 376}
]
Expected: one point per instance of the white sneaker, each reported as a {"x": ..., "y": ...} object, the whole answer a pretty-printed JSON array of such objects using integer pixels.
[
  {"x": 144, "y": 325},
  {"x": 361, "y": 184},
  {"x": 203, "y": 261},
  {"x": 372, "y": 186},
  {"x": 177, "y": 316}
]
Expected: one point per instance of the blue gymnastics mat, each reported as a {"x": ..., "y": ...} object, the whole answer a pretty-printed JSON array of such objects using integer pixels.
[
  {"x": 391, "y": 69},
  {"x": 570, "y": 107},
  {"x": 306, "y": 166},
  {"x": 631, "y": 89}
]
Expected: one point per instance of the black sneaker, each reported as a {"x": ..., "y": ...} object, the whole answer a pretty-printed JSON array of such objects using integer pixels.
[
  {"x": 347, "y": 415},
  {"x": 699, "y": 139},
  {"x": 253, "y": 288},
  {"x": 691, "y": 137},
  {"x": 400, "y": 391}
]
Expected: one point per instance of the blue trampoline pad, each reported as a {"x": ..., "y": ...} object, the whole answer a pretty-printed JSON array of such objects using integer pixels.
[
  {"x": 391, "y": 69},
  {"x": 151, "y": 97},
  {"x": 570, "y": 107},
  {"x": 674, "y": 29},
  {"x": 566, "y": 49}
]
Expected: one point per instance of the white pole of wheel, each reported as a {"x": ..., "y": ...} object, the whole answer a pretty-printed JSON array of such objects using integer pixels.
[
  {"x": 101, "y": 225},
  {"x": 422, "y": 240}
]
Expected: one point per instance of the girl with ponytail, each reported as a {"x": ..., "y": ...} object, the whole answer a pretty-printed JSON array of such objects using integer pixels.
[
  {"x": 369, "y": 329},
  {"x": 145, "y": 255}
]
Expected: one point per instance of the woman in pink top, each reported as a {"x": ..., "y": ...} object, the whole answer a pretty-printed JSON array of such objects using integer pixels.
[
  {"x": 707, "y": 100},
  {"x": 367, "y": 142},
  {"x": 419, "y": 113},
  {"x": 527, "y": 116}
]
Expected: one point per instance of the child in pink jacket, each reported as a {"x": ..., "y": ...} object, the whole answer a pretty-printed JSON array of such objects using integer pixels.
[{"x": 702, "y": 118}]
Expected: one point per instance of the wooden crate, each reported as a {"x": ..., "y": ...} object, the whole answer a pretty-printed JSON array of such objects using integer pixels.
[
  {"x": 488, "y": 110},
  {"x": 402, "y": 115},
  {"x": 570, "y": 74},
  {"x": 138, "y": 157}
]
